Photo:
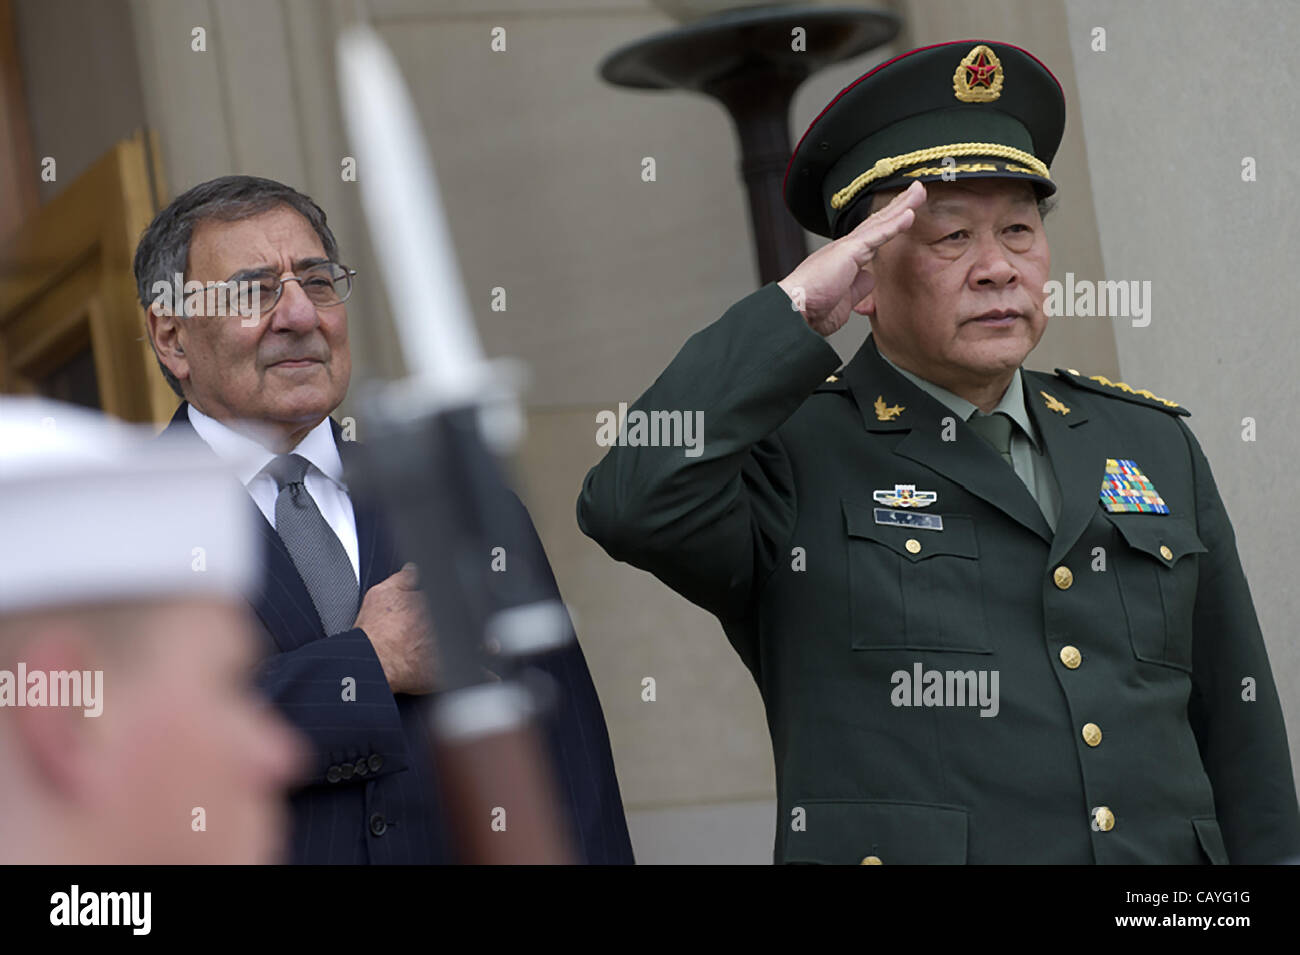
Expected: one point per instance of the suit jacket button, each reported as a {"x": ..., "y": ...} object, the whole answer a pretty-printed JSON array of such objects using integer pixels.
[
  {"x": 377, "y": 824},
  {"x": 346, "y": 770},
  {"x": 375, "y": 762},
  {"x": 362, "y": 767},
  {"x": 333, "y": 774},
  {"x": 1062, "y": 577},
  {"x": 871, "y": 860}
]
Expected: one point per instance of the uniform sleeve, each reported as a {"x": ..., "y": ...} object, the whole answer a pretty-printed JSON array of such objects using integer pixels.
[
  {"x": 709, "y": 524},
  {"x": 1243, "y": 743}
]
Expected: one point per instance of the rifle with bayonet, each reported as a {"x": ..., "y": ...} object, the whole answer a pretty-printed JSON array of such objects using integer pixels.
[{"x": 435, "y": 442}]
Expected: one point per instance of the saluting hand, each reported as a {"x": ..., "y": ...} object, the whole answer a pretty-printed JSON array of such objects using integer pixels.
[{"x": 833, "y": 280}]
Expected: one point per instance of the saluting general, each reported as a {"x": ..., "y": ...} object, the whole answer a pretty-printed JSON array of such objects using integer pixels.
[{"x": 995, "y": 615}]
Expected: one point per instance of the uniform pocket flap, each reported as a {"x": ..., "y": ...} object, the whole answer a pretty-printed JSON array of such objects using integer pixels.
[
  {"x": 1211, "y": 838},
  {"x": 1167, "y": 539},
  {"x": 956, "y": 539},
  {"x": 847, "y": 832}
]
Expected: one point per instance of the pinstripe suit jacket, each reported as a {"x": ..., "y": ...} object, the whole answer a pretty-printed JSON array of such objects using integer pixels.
[{"x": 372, "y": 797}]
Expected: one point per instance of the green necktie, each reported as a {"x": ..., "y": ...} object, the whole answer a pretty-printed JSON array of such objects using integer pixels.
[{"x": 996, "y": 430}]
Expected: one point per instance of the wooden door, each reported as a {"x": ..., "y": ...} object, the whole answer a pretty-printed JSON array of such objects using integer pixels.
[{"x": 71, "y": 325}]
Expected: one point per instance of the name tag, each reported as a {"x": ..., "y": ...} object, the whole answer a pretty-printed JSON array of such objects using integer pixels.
[{"x": 925, "y": 522}]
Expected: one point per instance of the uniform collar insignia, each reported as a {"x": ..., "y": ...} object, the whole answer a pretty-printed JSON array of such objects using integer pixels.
[
  {"x": 1054, "y": 404},
  {"x": 887, "y": 413}
]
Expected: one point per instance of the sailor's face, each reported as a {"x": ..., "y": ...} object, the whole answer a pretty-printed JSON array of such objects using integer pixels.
[{"x": 196, "y": 763}]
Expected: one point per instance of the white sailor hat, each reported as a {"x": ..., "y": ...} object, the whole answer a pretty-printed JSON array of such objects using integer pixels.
[{"x": 94, "y": 510}]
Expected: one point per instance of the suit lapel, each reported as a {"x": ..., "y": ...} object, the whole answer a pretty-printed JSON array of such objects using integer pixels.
[
  {"x": 982, "y": 473},
  {"x": 1078, "y": 458}
]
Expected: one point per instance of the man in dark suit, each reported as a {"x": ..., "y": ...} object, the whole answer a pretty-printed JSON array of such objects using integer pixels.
[
  {"x": 996, "y": 615},
  {"x": 351, "y": 651}
]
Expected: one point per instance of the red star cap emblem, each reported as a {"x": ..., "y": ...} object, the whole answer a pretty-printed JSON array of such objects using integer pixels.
[{"x": 980, "y": 73}]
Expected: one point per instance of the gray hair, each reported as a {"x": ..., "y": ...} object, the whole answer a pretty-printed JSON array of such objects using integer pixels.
[{"x": 164, "y": 249}]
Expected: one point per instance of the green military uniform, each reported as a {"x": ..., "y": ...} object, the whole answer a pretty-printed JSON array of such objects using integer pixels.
[
  {"x": 1120, "y": 627},
  {"x": 1024, "y": 447}
]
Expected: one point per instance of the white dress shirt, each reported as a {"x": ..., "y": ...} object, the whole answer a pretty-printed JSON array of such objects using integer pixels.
[{"x": 324, "y": 479}]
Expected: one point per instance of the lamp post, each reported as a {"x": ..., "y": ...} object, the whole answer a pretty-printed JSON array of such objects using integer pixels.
[{"x": 751, "y": 59}]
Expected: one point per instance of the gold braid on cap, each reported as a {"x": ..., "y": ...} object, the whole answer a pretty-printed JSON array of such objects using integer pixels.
[{"x": 886, "y": 167}]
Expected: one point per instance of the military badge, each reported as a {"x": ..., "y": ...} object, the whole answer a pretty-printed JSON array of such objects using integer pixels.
[
  {"x": 887, "y": 412},
  {"x": 1126, "y": 488},
  {"x": 1054, "y": 404},
  {"x": 905, "y": 495},
  {"x": 978, "y": 78}
]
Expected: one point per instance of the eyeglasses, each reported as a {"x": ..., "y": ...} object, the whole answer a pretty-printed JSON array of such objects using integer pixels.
[{"x": 256, "y": 294}]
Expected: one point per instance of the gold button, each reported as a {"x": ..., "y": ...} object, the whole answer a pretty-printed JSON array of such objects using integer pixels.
[
  {"x": 871, "y": 860},
  {"x": 1103, "y": 819},
  {"x": 913, "y": 545},
  {"x": 1063, "y": 577},
  {"x": 1071, "y": 657},
  {"x": 1091, "y": 734},
  {"x": 1166, "y": 553}
]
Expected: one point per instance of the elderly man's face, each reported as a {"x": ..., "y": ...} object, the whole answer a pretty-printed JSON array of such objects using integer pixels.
[
  {"x": 958, "y": 297},
  {"x": 292, "y": 368}
]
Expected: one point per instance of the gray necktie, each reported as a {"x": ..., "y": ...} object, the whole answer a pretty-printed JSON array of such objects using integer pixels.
[
  {"x": 995, "y": 429},
  {"x": 315, "y": 548}
]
